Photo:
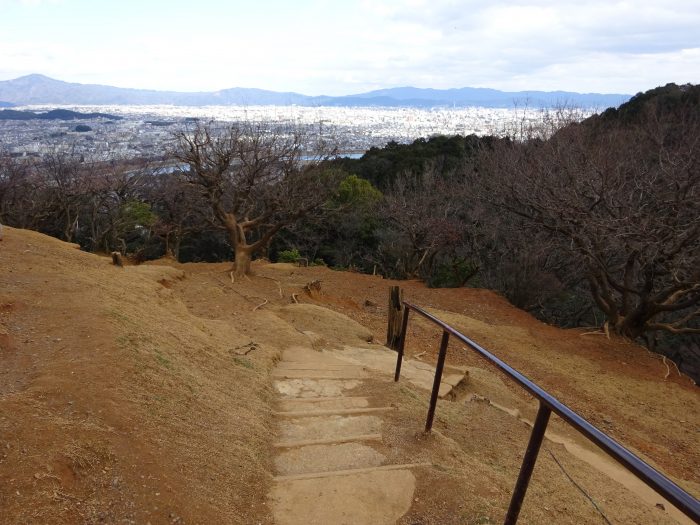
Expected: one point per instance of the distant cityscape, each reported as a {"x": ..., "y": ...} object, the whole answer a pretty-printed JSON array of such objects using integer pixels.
[{"x": 145, "y": 131}]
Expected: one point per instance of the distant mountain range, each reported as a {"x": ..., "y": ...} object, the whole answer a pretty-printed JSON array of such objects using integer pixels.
[
  {"x": 55, "y": 114},
  {"x": 39, "y": 89}
]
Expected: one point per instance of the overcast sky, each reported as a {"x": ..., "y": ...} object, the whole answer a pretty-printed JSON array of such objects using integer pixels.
[{"x": 350, "y": 46}]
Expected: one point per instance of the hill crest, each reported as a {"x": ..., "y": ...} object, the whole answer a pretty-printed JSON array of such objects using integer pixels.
[{"x": 40, "y": 89}]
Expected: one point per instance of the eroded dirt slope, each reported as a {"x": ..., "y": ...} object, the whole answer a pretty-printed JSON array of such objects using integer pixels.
[
  {"x": 117, "y": 403},
  {"x": 142, "y": 394}
]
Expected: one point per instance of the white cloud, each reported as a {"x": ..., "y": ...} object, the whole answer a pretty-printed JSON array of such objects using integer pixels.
[{"x": 319, "y": 46}]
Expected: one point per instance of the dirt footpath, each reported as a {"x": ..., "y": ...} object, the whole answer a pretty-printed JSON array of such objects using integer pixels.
[{"x": 147, "y": 394}]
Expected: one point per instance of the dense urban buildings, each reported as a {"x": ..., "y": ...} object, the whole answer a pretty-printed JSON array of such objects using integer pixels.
[{"x": 145, "y": 130}]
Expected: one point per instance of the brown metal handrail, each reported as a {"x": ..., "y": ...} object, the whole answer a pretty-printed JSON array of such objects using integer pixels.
[{"x": 548, "y": 404}]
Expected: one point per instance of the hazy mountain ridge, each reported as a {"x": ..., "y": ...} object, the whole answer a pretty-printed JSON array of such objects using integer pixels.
[
  {"x": 55, "y": 114},
  {"x": 39, "y": 89}
]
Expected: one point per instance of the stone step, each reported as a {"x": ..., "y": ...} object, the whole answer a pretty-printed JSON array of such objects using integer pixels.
[
  {"x": 284, "y": 365},
  {"x": 306, "y": 388},
  {"x": 327, "y": 441},
  {"x": 322, "y": 403},
  {"x": 378, "y": 497},
  {"x": 449, "y": 381},
  {"x": 332, "y": 412},
  {"x": 344, "y": 373},
  {"x": 307, "y": 355},
  {"x": 452, "y": 379},
  {"x": 327, "y": 458},
  {"x": 457, "y": 369},
  {"x": 416, "y": 372},
  {"x": 328, "y": 427},
  {"x": 348, "y": 472}
]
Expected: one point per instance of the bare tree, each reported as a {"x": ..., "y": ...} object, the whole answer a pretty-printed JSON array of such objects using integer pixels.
[
  {"x": 425, "y": 216},
  {"x": 24, "y": 199},
  {"x": 624, "y": 197},
  {"x": 255, "y": 180},
  {"x": 176, "y": 204},
  {"x": 62, "y": 173},
  {"x": 14, "y": 174}
]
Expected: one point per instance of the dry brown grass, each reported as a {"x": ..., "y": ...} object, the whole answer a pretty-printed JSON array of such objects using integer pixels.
[
  {"x": 116, "y": 402},
  {"x": 142, "y": 393}
]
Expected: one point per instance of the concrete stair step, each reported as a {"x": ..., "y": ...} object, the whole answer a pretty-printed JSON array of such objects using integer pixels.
[
  {"x": 322, "y": 403},
  {"x": 343, "y": 373},
  {"x": 326, "y": 427},
  {"x": 306, "y": 355},
  {"x": 282, "y": 365},
  {"x": 319, "y": 387},
  {"x": 416, "y": 372},
  {"x": 371, "y": 497},
  {"x": 327, "y": 458},
  {"x": 348, "y": 472},
  {"x": 327, "y": 441},
  {"x": 332, "y": 412}
]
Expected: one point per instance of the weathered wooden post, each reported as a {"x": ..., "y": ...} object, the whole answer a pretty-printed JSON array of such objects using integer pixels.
[
  {"x": 117, "y": 259},
  {"x": 395, "y": 317}
]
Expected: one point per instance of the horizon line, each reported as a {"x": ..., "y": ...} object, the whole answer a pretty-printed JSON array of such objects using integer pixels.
[{"x": 317, "y": 96}]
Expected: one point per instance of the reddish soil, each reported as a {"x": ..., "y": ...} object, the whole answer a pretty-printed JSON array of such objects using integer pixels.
[{"x": 141, "y": 394}]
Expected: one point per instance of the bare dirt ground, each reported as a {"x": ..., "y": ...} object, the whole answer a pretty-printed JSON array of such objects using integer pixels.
[
  {"x": 142, "y": 394},
  {"x": 119, "y": 405}
]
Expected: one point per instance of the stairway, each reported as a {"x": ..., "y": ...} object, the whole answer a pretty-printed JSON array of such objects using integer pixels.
[{"x": 328, "y": 466}]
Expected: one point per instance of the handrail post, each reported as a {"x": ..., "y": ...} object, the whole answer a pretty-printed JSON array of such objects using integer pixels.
[
  {"x": 682, "y": 500},
  {"x": 402, "y": 342},
  {"x": 533, "y": 449},
  {"x": 437, "y": 380}
]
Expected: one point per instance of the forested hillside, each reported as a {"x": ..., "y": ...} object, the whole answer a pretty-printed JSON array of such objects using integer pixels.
[{"x": 583, "y": 223}]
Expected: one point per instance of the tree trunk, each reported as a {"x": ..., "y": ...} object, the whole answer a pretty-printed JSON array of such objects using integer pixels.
[
  {"x": 243, "y": 256},
  {"x": 176, "y": 247}
]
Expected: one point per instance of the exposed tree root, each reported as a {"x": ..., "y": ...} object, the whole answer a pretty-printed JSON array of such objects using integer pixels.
[
  {"x": 261, "y": 304},
  {"x": 279, "y": 285}
]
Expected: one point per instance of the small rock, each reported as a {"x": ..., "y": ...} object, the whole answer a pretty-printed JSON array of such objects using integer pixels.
[{"x": 660, "y": 506}]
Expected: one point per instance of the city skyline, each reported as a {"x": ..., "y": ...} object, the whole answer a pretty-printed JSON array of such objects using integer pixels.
[{"x": 317, "y": 47}]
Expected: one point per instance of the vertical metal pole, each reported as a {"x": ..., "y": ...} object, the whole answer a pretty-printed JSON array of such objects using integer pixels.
[
  {"x": 402, "y": 342},
  {"x": 437, "y": 380},
  {"x": 533, "y": 448}
]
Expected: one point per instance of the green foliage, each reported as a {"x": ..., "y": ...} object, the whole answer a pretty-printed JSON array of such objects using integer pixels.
[
  {"x": 380, "y": 166},
  {"x": 137, "y": 213},
  {"x": 357, "y": 192},
  {"x": 288, "y": 256},
  {"x": 671, "y": 98}
]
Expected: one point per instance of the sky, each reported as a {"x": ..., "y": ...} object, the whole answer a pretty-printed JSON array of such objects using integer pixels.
[{"x": 351, "y": 46}]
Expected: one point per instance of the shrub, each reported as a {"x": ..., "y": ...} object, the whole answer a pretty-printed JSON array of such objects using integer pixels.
[{"x": 288, "y": 256}]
